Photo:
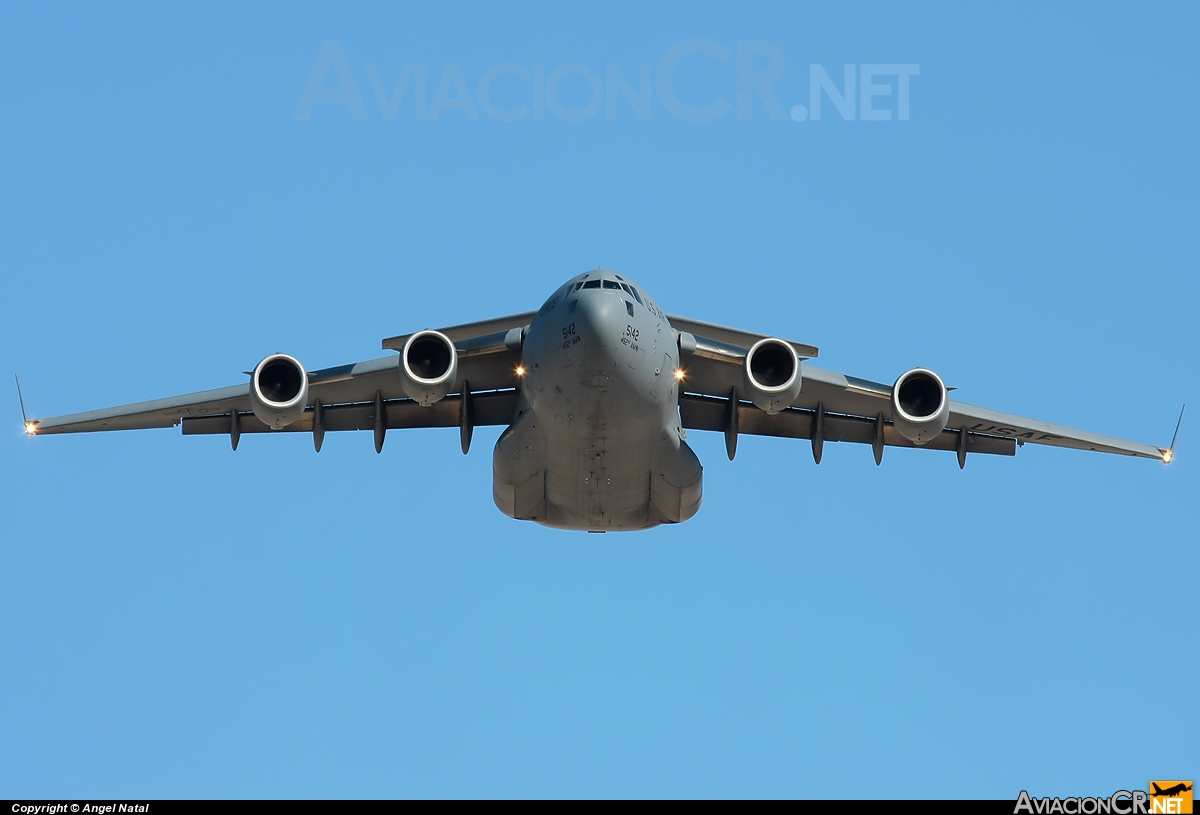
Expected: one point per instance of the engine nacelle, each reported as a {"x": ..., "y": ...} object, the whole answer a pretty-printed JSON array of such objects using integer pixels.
[
  {"x": 428, "y": 367},
  {"x": 772, "y": 375},
  {"x": 278, "y": 391},
  {"x": 920, "y": 405}
]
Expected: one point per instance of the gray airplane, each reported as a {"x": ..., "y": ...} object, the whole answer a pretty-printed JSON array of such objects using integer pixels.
[{"x": 597, "y": 390}]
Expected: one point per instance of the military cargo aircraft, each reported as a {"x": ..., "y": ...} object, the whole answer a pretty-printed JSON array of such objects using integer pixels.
[{"x": 597, "y": 390}]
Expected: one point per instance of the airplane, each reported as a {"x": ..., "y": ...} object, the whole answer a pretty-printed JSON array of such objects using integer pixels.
[
  {"x": 1169, "y": 792},
  {"x": 596, "y": 391}
]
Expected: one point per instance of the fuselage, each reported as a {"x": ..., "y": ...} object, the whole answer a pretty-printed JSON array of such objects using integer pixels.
[{"x": 597, "y": 442}]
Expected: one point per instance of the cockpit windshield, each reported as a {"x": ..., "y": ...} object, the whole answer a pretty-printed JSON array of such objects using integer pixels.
[{"x": 610, "y": 285}]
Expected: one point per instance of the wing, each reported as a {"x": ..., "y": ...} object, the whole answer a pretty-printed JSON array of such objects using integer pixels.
[
  {"x": 852, "y": 409},
  {"x": 732, "y": 337},
  {"x": 348, "y": 395},
  {"x": 471, "y": 331}
]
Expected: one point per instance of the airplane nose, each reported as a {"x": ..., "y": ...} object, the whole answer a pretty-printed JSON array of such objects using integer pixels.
[{"x": 601, "y": 319}]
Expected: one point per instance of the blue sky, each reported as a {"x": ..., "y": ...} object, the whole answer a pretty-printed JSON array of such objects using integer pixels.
[{"x": 180, "y": 620}]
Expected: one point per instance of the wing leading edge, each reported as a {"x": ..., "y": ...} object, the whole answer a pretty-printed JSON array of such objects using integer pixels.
[
  {"x": 713, "y": 368},
  {"x": 348, "y": 394}
]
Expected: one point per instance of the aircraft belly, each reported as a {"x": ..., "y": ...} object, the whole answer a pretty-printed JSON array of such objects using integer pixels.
[
  {"x": 598, "y": 477},
  {"x": 609, "y": 475}
]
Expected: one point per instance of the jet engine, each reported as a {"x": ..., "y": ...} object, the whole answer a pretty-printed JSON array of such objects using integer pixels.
[
  {"x": 278, "y": 391},
  {"x": 920, "y": 405},
  {"x": 772, "y": 375},
  {"x": 428, "y": 367}
]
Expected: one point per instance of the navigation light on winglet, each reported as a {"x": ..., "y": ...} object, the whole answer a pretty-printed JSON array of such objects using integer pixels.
[{"x": 31, "y": 428}]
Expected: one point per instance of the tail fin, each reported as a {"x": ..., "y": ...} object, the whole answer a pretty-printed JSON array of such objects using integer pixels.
[{"x": 1157, "y": 788}]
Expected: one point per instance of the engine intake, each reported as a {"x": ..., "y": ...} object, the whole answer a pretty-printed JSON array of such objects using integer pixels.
[
  {"x": 920, "y": 405},
  {"x": 278, "y": 391},
  {"x": 772, "y": 375},
  {"x": 428, "y": 367}
]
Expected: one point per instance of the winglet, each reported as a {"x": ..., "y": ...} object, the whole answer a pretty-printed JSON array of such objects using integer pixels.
[
  {"x": 1169, "y": 453},
  {"x": 30, "y": 427}
]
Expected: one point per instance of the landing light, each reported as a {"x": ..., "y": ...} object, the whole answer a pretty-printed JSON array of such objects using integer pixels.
[
  {"x": 679, "y": 375},
  {"x": 520, "y": 370},
  {"x": 1167, "y": 456},
  {"x": 31, "y": 428}
]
